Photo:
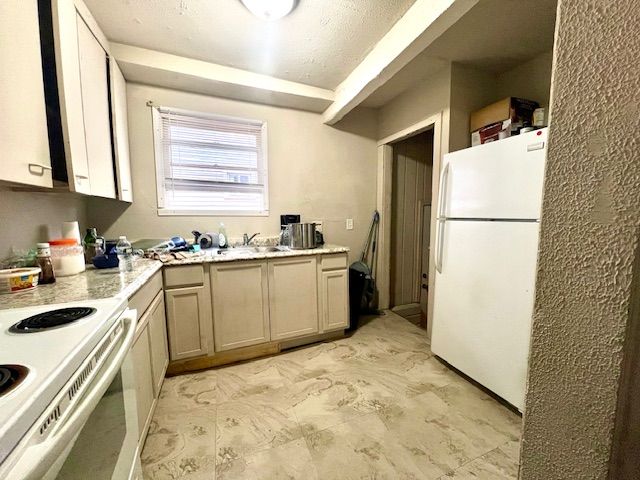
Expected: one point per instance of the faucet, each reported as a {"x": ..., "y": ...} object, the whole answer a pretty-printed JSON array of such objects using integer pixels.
[{"x": 246, "y": 239}]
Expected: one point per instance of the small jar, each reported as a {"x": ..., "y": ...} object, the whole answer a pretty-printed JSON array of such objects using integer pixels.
[
  {"x": 43, "y": 256},
  {"x": 67, "y": 257}
]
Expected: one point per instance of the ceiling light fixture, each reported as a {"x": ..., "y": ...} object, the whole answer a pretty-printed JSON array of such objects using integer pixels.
[{"x": 270, "y": 9}]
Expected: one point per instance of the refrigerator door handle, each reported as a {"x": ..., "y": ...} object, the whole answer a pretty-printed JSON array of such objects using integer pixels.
[
  {"x": 439, "y": 243},
  {"x": 442, "y": 191}
]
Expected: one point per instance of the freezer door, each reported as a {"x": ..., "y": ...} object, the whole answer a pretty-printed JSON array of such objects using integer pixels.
[
  {"x": 501, "y": 179},
  {"x": 484, "y": 302}
]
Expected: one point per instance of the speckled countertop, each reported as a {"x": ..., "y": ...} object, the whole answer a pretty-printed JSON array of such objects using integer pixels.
[
  {"x": 90, "y": 285},
  {"x": 95, "y": 284},
  {"x": 236, "y": 254}
]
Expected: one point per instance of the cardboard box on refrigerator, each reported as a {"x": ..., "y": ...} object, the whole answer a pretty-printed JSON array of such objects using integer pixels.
[
  {"x": 491, "y": 133},
  {"x": 518, "y": 110}
]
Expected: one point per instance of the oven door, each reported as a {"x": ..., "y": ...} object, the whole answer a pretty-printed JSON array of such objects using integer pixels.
[
  {"x": 95, "y": 436},
  {"x": 106, "y": 448}
]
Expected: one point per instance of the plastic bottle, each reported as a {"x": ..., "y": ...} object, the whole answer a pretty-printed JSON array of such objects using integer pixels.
[
  {"x": 125, "y": 254},
  {"x": 222, "y": 236},
  {"x": 44, "y": 262}
]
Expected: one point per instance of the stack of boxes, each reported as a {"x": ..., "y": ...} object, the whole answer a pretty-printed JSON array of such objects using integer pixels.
[{"x": 502, "y": 119}]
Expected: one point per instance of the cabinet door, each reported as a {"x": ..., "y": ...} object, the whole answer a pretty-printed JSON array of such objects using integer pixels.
[
  {"x": 188, "y": 317},
  {"x": 141, "y": 356},
  {"x": 65, "y": 30},
  {"x": 240, "y": 304},
  {"x": 334, "y": 300},
  {"x": 94, "y": 86},
  {"x": 158, "y": 342},
  {"x": 293, "y": 297},
  {"x": 23, "y": 134},
  {"x": 120, "y": 128}
]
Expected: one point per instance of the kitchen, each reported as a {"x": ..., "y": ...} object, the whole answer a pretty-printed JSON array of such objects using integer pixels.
[{"x": 238, "y": 354}]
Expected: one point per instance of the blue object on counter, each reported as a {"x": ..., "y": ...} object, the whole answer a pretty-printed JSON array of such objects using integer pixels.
[
  {"x": 179, "y": 242},
  {"x": 106, "y": 261}
]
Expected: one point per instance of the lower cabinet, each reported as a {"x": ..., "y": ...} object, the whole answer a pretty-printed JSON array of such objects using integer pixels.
[
  {"x": 334, "y": 300},
  {"x": 293, "y": 297},
  {"x": 158, "y": 342},
  {"x": 188, "y": 321},
  {"x": 240, "y": 304},
  {"x": 150, "y": 359},
  {"x": 141, "y": 356}
]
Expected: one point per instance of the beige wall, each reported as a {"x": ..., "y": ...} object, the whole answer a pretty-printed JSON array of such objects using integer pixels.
[
  {"x": 589, "y": 243},
  {"x": 531, "y": 80},
  {"x": 471, "y": 89},
  {"x": 321, "y": 172},
  {"x": 27, "y": 218},
  {"x": 457, "y": 90},
  {"x": 416, "y": 104}
]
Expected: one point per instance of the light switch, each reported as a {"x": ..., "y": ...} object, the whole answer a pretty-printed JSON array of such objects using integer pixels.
[{"x": 349, "y": 223}]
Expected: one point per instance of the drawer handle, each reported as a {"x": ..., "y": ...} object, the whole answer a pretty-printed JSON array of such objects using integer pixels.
[
  {"x": 82, "y": 177},
  {"x": 40, "y": 166}
]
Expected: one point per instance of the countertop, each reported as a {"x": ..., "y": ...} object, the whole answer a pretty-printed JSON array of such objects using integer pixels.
[
  {"x": 239, "y": 254},
  {"x": 96, "y": 284}
]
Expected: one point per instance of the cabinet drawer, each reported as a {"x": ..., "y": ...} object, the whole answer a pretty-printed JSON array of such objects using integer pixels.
[
  {"x": 334, "y": 262},
  {"x": 183, "y": 276},
  {"x": 143, "y": 297}
]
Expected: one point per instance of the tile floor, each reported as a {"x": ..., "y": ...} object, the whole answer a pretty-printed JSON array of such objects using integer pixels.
[{"x": 376, "y": 405}]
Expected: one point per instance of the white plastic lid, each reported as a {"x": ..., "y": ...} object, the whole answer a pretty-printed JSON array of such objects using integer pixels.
[
  {"x": 122, "y": 237},
  {"x": 42, "y": 245}
]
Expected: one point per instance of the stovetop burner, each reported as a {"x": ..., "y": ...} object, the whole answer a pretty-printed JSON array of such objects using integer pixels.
[
  {"x": 11, "y": 376},
  {"x": 52, "y": 319}
]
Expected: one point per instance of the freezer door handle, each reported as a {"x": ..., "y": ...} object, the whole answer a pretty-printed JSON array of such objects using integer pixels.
[
  {"x": 442, "y": 196},
  {"x": 439, "y": 243}
]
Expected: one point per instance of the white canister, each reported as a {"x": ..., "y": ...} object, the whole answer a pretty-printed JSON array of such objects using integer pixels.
[
  {"x": 67, "y": 257},
  {"x": 71, "y": 230}
]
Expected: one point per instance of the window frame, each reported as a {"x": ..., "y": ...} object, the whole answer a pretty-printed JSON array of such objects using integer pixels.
[{"x": 156, "y": 112}]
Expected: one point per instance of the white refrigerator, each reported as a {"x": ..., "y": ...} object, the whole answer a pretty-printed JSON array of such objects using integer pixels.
[{"x": 488, "y": 221}]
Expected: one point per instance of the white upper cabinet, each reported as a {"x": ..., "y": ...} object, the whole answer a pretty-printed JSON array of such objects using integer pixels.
[
  {"x": 65, "y": 33},
  {"x": 120, "y": 132},
  {"x": 94, "y": 86},
  {"x": 23, "y": 123},
  {"x": 93, "y": 104}
]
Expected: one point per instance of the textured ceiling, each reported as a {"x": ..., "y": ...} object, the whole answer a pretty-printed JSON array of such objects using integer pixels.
[
  {"x": 495, "y": 36},
  {"x": 319, "y": 44}
]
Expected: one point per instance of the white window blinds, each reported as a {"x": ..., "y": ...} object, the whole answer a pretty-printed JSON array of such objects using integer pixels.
[{"x": 210, "y": 164}]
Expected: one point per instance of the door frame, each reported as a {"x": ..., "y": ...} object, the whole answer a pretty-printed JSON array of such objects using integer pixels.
[{"x": 383, "y": 203}]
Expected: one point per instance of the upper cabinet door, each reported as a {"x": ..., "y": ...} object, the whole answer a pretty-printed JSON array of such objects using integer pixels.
[
  {"x": 94, "y": 86},
  {"x": 65, "y": 31},
  {"x": 120, "y": 128},
  {"x": 23, "y": 124}
]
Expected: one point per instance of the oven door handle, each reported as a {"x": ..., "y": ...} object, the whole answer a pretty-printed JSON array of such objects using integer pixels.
[{"x": 47, "y": 452}]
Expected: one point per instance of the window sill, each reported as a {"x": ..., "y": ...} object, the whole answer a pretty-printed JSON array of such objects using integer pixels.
[{"x": 162, "y": 212}]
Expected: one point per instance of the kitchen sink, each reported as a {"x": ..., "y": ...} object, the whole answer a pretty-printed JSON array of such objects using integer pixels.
[{"x": 248, "y": 250}]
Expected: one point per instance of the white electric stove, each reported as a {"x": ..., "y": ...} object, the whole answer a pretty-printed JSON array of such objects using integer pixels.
[{"x": 57, "y": 363}]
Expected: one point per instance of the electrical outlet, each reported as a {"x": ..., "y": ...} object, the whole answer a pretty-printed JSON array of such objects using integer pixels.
[
  {"x": 318, "y": 225},
  {"x": 349, "y": 223}
]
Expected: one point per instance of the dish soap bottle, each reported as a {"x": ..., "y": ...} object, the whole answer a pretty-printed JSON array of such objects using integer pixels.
[{"x": 222, "y": 236}]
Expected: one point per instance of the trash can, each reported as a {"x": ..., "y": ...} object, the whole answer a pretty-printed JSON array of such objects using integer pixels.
[{"x": 357, "y": 280}]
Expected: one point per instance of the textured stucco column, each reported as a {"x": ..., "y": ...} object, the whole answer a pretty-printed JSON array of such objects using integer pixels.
[{"x": 589, "y": 240}]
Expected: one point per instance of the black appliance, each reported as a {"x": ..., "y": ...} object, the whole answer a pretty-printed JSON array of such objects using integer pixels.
[{"x": 288, "y": 218}]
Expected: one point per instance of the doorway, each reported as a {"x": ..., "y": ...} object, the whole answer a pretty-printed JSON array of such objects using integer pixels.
[{"x": 412, "y": 172}]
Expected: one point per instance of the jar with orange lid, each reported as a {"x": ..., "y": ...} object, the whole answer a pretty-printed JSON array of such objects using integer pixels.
[{"x": 67, "y": 257}]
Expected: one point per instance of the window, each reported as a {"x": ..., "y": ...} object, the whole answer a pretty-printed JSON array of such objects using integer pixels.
[{"x": 209, "y": 164}]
